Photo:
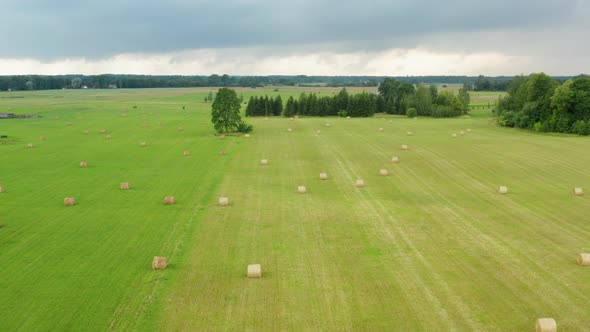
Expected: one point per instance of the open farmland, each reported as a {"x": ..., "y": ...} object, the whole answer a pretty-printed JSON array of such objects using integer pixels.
[{"x": 432, "y": 246}]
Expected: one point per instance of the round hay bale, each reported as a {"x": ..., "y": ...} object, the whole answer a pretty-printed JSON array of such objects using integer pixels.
[
  {"x": 323, "y": 176},
  {"x": 348, "y": 117},
  {"x": 108, "y": 136},
  {"x": 291, "y": 119},
  {"x": 103, "y": 131},
  {"x": 69, "y": 123},
  {"x": 221, "y": 136},
  {"x": 360, "y": 183},
  {"x": 583, "y": 259},
  {"x": 69, "y": 201},
  {"x": 289, "y": 129},
  {"x": 454, "y": 135},
  {"x": 151, "y": 113},
  {"x": 169, "y": 200},
  {"x": 318, "y": 131},
  {"x": 264, "y": 162},
  {"x": 254, "y": 271},
  {"x": 265, "y": 118},
  {"x": 125, "y": 186},
  {"x": 395, "y": 159},
  {"x": 143, "y": 144},
  {"x": 296, "y": 116},
  {"x": 1, "y": 189},
  {"x": 85, "y": 132},
  {"x": 83, "y": 164},
  {"x": 461, "y": 132},
  {"x": 383, "y": 172},
  {"x": 56, "y": 118},
  {"x": 42, "y": 138},
  {"x": 30, "y": 146},
  {"x": 223, "y": 201},
  {"x": 405, "y": 147},
  {"x": 180, "y": 129},
  {"x": 410, "y": 133},
  {"x": 468, "y": 130},
  {"x": 222, "y": 153},
  {"x": 380, "y": 129},
  {"x": 247, "y": 135},
  {"x": 546, "y": 325},
  {"x": 579, "y": 191},
  {"x": 502, "y": 190},
  {"x": 159, "y": 263},
  {"x": 301, "y": 189},
  {"x": 390, "y": 121},
  {"x": 328, "y": 124},
  {"x": 186, "y": 153}
]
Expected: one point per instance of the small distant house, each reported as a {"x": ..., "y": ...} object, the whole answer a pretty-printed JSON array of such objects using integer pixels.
[{"x": 6, "y": 115}]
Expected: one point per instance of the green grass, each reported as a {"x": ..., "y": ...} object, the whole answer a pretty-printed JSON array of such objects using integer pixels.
[{"x": 430, "y": 247}]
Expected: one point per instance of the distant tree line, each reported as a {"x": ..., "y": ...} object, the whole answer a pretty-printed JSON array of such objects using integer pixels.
[
  {"x": 394, "y": 97},
  {"x": 40, "y": 82},
  {"x": 539, "y": 102}
]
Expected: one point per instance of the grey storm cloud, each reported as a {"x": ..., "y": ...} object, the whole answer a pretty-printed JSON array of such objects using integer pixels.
[{"x": 65, "y": 28}]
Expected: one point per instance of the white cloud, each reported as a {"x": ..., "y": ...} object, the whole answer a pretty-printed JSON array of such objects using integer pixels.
[{"x": 251, "y": 61}]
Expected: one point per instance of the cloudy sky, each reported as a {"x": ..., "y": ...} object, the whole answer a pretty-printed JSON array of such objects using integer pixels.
[{"x": 319, "y": 37}]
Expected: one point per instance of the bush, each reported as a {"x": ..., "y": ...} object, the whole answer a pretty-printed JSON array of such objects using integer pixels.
[
  {"x": 441, "y": 111},
  {"x": 342, "y": 113},
  {"x": 244, "y": 127},
  {"x": 411, "y": 113},
  {"x": 581, "y": 127},
  {"x": 507, "y": 119}
]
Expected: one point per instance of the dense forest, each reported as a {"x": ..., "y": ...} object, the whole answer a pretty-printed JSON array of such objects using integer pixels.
[
  {"x": 39, "y": 82},
  {"x": 393, "y": 97},
  {"x": 539, "y": 102}
]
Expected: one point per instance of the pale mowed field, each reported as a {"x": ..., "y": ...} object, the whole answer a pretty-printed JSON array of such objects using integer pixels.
[{"x": 430, "y": 247}]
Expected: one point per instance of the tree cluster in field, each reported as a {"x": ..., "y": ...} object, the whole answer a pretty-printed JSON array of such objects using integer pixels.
[
  {"x": 394, "y": 97},
  {"x": 541, "y": 103},
  {"x": 225, "y": 113},
  {"x": 264, "y": 106}
]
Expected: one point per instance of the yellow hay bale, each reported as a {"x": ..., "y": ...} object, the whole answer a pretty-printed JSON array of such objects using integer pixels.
[
  {"x": 254, "y": 271},
  {"x": 404, "y": 147},
  {"x": 578, "y": 191},
  {"x": 318, "y": 131},
  {"x": 169, "y": 200},
  {"x": 85, "y": 132},
  {"x": 1, "y": 189},
  {"x": 222, "y": 153},
  {"x": 380, "y": 129},
  {"x": 186, "y": 153},
  {"x": 290, "y": 119},
  {"x": 410, "y": 133},
  {"x": 546, "y": 325},
  {"x": 264, "y": 162},
  {"x": 125, "y": 186},
  {"x": 221, "y": 136},
  {"x": 159, "y": 263},
  {"x": 301, "y": 189},
  {"x": 296, "y": 116},
  {"x": 43, "y": 138},
  {"x": 323, "y": 176},
  {"x": 454, "y": 136},
  {"x": 461, "y": 132},
  {"x": 223, "y": 201},
  {"x": 348, "y": 117},
  {"x": 103, "y": 131},
  {"x": 83, "y": 164},
  {"x": 468, "y": 130},
  {"x": 265, "y": 118},
  {"x": 383, "y": 172},
  {"x": 69, "y": 201},
  {"x": 583, "y": 260},
  {"x": 143, "y": 144},
  {"x": 502, "y": 190},
  {"x": 360, "y": 183},
  {"x": 108, "y": 136},
  {"x": 180, "y": 129},
  {"x": 247, "y": 136},
  {"x": 289, "y": 129},
  {"x": 151, "y": 113},
  {"x": 395, "y": 159},
  {"x": 328, "y": 124},
  {"x": 30, "y": 146}
]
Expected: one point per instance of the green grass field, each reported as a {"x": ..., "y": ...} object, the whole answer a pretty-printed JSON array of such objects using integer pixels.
[{"x": 431, "y": 247}]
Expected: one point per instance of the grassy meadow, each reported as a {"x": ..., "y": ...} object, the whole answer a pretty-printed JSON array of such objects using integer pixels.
[{"x": 430, "y": 247}]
